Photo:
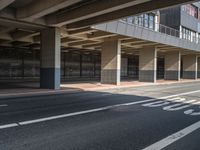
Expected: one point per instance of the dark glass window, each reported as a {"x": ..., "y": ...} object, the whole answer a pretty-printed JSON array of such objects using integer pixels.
[{"x": 190, "y": 10}]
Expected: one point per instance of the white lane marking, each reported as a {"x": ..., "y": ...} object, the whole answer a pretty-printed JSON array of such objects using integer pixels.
[
  {"x": 81, "y": 112},
  {"x": 93, "y": 110},
  {"x": 179, "y": 104},
  {"x": 3, "y": 105},
  {"x": 163, "y": 103},
  {"x": 176, "y": 107},
  {"x": 192, "y": 112},
  {"x": 9, "y": 126},
  {"x": 174, "y": 137},
  {"x": 156, "y": 104}
]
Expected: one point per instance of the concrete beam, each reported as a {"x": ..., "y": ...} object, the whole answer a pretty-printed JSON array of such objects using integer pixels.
[
  {"x": 69, "y": 40},
  {"x": 131, "y": 41},
  {"x": 20, "y": 44},
  {"x": 143, "y": 43},
  {"x": 19, "y": 34},
  {"x": 5, "y": 3},
  {"x": 40, "y": 8},
  {"x": 10, "y": 23},
  {"x": 90, "y": 10},
  {"x": 81, "y": 31},
  {"x": 6, "y": 36},
  {"x": 80, "y": 43},
  {"x": 92, "y": 45},
  {"x": 125, "y": 12},
  {"x": 100, "y": 34}
]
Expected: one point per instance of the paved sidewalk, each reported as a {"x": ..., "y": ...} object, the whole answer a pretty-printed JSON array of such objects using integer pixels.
[
  {"x": 96, "y": 86},
  {"x": 27, "y": 90}
]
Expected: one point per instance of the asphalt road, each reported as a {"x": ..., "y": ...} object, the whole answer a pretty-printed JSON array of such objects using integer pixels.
[{"x": 143, "y": 118}]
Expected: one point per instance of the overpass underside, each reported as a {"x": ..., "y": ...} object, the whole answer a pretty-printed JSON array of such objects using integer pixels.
[{"x": 50, "y": 40}]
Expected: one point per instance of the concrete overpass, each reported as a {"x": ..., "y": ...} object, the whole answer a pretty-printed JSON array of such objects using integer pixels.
[{"x": 66, "y": 24}]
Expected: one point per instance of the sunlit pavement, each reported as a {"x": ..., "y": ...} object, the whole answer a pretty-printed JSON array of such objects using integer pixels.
[{"x": 132, "y": 118}]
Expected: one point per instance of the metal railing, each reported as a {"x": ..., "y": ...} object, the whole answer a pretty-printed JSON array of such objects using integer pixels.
[
  {"x": 167, "y": 30},
  {"x": 157, "y": 27}
]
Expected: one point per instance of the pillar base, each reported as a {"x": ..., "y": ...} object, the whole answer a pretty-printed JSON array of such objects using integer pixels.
[
  {"x": 172, "y": 75},
  {"x": 110, "y": 77},
  {"x": 147, "y": 76},
  {"x": 50, "y": 78},
  {"x": 189, "y": 75},
  {"x": 190, "y": 66}
]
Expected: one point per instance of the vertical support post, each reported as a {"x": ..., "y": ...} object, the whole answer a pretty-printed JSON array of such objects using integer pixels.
[
  {"x": 190, "y": 66},
  {"x": 173, "y": 65},
  {"x": 148, "y": 64},
  {"x": 50, "y": 58},
  {"x": 111, "y": 62}
]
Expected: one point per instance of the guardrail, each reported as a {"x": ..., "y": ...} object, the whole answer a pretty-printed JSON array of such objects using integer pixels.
[{"x": 157, "y": 27}]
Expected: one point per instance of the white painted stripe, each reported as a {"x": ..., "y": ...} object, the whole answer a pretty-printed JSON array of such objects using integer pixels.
[
  {"x": 97, "y": 109},
  {"x": 81, "y": 112},
  {"x": 174, "y": 137},
  {"x": 179, "y": 106},
  {"x": 3, "y": 105},
  {"x": 9, "y": 125}
]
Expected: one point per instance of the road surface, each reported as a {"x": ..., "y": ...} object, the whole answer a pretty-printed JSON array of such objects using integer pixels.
[{"x": 142, "y": 118}]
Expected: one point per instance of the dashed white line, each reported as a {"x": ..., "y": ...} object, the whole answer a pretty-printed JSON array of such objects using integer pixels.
[
  {"x": 3, "y": 105},
  {"x": 174, "y": 137},
  {"x": 81, "y": 112},
  {"x": 9, "y": 125},
  {"x": 89, "y": 111}
]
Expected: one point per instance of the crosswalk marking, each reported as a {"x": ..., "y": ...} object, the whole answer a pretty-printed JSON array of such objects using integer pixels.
[{"x": 176, "y": 104}]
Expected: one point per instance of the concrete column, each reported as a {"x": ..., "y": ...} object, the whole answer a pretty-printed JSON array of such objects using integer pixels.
[
  {"x": 50, "y": 58},
  {"x": 147, "y": 64},
  {"x": 111, "y": 62},
  {"x": 198, "y": 70},
  {"x": 124, "y": 67},
  {"x": 189, "y": 66},
  {"x": 173, "y": 65}
]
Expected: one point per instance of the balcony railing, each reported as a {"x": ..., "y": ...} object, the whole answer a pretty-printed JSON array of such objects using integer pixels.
[{"x": 157, "y": 27}]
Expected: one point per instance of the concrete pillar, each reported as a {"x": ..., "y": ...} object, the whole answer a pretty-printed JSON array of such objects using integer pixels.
[
  {"x": 111, "y": 62},
  {"x": 189, "y": 66},
  {"x": 198, "y": 70},
  {"x": 173, "y": 65},
  {"x": 148, "y": 64},
  {"x": 50, "y": 58},
  {"x": 124, "y": 67}
]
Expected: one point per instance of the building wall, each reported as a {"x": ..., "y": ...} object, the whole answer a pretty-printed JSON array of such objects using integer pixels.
[
  {"x": 23, "y": 63},
  {"x": 189, "y": 21},
  {"x": 170, "y": 17},
  {"x": 19, "y": 63}
]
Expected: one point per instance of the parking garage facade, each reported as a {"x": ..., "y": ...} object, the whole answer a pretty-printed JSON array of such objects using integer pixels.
[
  {"x": 76, "y": 65},
  {"x": 49, "y": 44}
]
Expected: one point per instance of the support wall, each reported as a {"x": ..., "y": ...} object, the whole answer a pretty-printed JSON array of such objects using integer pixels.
[
  {"x": 172, "y": 65},
  {"x": 111, "y": 62},
  {"x": 50, "y": 59},
  {"x": 148, "y": 64},
  {"x": 189, "y": 66}
]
